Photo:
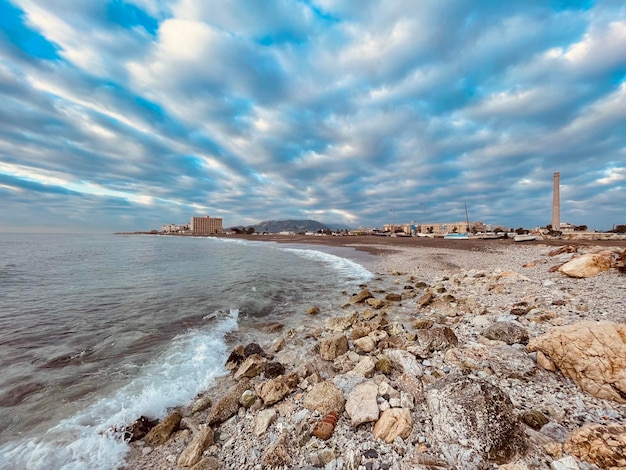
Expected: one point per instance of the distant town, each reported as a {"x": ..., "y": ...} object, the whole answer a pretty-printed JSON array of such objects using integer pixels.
[
  {"x": 207, "y": 226},
  {"x": 213, "y": 226}
]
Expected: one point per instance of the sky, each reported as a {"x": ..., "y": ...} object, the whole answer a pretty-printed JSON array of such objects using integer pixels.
[{"x": 128, "y": 115}]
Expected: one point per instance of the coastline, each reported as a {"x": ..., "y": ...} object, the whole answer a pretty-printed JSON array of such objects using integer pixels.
[{"x": 475, "y": 284}]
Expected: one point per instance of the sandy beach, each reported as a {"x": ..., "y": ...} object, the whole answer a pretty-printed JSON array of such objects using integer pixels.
[{"x": 442, "y": 317}]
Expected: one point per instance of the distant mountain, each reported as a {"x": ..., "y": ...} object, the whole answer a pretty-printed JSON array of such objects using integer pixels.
[{"x": 275, "y": 226}]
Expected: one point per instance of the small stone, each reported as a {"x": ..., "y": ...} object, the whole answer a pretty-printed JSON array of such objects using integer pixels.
[
  {"x": 247, "y": 398},
  {"x": 313, "y": 311}
]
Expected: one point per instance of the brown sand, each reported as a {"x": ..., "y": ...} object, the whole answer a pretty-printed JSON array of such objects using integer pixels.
[{"x": 377, "y": 245}]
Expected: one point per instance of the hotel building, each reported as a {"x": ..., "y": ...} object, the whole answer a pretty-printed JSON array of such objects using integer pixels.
[{"x": 206, "y": 225}]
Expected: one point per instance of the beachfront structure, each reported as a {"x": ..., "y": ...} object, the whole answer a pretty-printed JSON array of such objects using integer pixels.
[
  {"x": 206, "y": 225},
  {"x": 556, "y": 203},
  {"x": 174, "y": 228},
  {"x": 435, "y": 228}
]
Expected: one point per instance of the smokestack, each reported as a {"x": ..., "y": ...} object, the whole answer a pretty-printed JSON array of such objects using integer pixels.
[{"x": 556, "y": 203}]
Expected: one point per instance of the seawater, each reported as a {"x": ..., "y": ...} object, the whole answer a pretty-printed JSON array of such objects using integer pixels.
[{"x": 97, "y": 330}]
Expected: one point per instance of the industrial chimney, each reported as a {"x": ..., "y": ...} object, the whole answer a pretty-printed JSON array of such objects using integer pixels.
[{"x": 556, "y": 203}]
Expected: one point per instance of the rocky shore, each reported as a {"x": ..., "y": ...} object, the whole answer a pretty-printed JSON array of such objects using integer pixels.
[{"x": 503, "y": 356}]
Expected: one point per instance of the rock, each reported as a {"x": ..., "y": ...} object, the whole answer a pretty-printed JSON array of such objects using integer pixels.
[
  {"x": 333, "y": 346},
  {"x": 193, "y": 452},
  {"x": 236, "y": 357},
  {"x": 535, "y": 419},
  {"x": 365, "y": 344},
  {"x": 422, "y": 323},
  {"x": 393, "y": 297},
  {"x": 273, "y": 369},
  {"x": 274, "y": 390},
  {"x": 207, "y": 463},
  {"x": 247, "y": 399},
  {"x": 324, "y": 397},
  {"x": 425, "y": 300},
  {"x": 361, "y": 297},
  {"x": 508, "y": 332},
  {"x": 278, "y": 453},
  {"x": 254, "y": 348},
  {"x": 263, "y": 419},
  {"x": 587, "y": 265},
  {"x": 201, "y": 404},
  {"x": 163, "y": 431},
  {"x": 545, "y": 362},
  {"x": 566, "y": 463},
  {"x": 361, "y": 404},
  {"x": 562, "y": 249},
  {"x": 474, "y": 422},
  {"x": 604, "y": 446},
  {"x": 313, "y": 311},
  {"x": 433, "y": 339},
  {"x": 507, "y": 361},
  {"x": 252, "y": 366},
  {"x": 322, "y": 457},
  {"x": 393, "y": 423},
  {"x": 139, "y": 428},
  {"x": 375, "y": 303},
  {"x": 228, "y": 405},
  {"x": 405, "y": 361},
  {"x": 336, "y": 324},
  {"x": 364, "y": 367},
  {"x": 520, "y": 308},
  {"x": 593, "y": 354}
]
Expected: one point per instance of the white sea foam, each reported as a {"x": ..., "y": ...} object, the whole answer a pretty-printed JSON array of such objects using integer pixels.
[
  {"x": 351, "y": 270},
  {"x": 87, "y": 440}
]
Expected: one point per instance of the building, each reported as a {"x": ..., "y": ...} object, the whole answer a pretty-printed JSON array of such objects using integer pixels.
[
  {"x": 206, "y": 225},
  {"x": 438, "y": 228},
  {"x": 174, "y": 228}
]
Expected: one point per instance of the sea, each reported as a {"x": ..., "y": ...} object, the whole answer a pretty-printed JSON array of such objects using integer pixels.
[{"x": 98, "y": 330}]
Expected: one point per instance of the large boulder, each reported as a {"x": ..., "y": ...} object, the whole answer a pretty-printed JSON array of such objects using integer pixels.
[
  {"x": 593, "y": 354},
  {"x": 587, "y": 265},
  {"x": 604, "y": 446},
  {"x": 474, "y": 422}
]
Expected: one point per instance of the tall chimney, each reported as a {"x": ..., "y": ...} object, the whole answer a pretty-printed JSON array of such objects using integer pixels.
[{"x": 556, "y": 203}]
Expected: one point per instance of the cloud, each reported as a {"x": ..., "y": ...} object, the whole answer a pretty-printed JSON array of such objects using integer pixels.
[{"x": 146, "y": 112}]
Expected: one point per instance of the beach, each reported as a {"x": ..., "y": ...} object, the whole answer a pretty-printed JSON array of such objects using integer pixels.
[{"x": 446, "y": 359}]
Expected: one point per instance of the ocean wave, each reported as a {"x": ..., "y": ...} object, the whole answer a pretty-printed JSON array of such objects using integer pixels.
[
  {"x": 89, "y": 440},
  {"x": 351, "y": 270}
]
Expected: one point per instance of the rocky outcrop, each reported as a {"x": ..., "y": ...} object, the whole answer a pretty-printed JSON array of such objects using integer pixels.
[{"x": 593, "y": 354}]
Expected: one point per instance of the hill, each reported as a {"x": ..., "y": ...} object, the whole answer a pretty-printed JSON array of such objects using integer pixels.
[{"x": 290, "y": 225}]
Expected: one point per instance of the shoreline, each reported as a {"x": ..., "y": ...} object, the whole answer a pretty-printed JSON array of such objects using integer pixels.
[{"x": 473, "y": 284}]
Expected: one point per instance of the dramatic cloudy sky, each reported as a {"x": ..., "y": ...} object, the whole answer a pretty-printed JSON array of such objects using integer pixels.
[{"x": 125, "y": 115}]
